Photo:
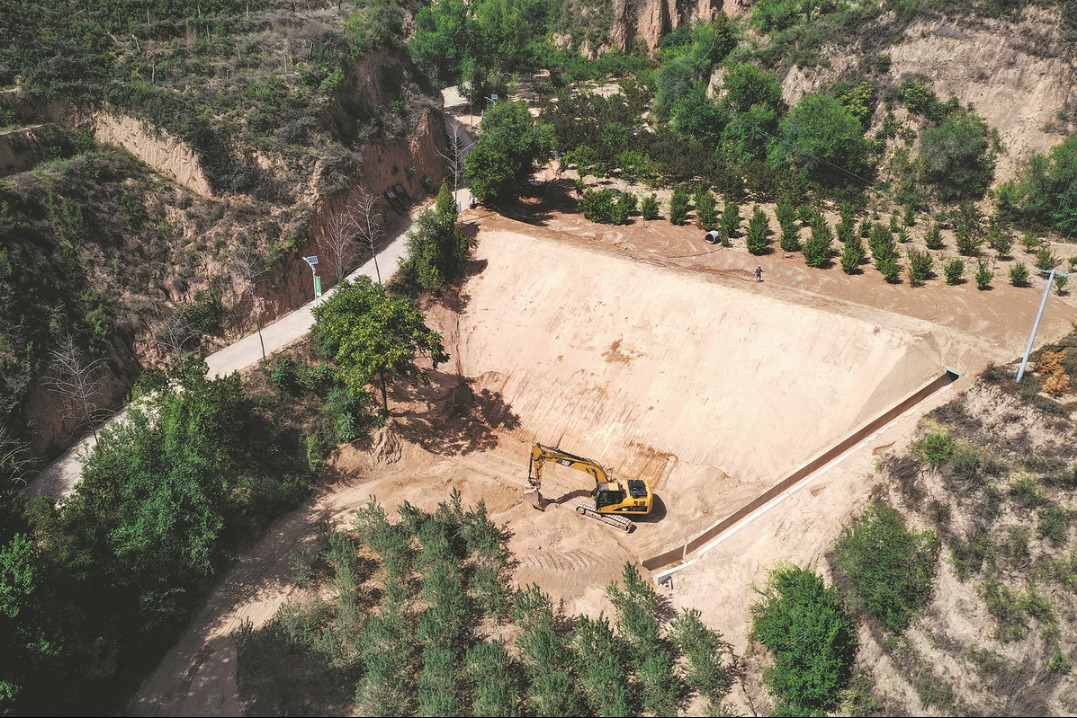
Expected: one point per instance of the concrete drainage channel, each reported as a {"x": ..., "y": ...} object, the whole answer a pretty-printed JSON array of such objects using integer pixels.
[{"x": 677, "y": 558}]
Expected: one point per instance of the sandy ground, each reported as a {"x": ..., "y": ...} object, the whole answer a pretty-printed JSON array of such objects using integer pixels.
[{"x": 656, "y": 354}]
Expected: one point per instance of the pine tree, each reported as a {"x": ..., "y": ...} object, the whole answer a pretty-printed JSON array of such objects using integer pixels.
[
  {"x": 852, "y": 254},
  {"x": 758, "y": 228},
  {"x": 817, "y": 249}
]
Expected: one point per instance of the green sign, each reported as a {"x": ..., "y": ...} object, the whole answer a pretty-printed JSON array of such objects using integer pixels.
[{"x": 317, "y": 286}]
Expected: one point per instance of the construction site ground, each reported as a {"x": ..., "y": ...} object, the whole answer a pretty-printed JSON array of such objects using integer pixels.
[{"x": 658, "y": 355}]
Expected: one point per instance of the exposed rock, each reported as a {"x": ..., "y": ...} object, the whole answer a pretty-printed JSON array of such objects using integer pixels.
[
  {"x": 649, "y": 20},
  {"x": 166, "y": 154}
]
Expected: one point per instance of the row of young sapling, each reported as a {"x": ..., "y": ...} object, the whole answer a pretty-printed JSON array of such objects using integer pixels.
[{"x": 883, "y": 240}]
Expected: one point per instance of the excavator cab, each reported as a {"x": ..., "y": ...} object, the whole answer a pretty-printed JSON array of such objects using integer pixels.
[{"x": 611, "y": 497}]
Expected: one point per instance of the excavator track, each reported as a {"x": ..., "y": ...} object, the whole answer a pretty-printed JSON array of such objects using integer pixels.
[{"x": 618, "y": 522}]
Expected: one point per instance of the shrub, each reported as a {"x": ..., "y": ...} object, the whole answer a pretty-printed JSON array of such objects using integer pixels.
[
  {"x": 1053, "y": 523},
  {"x": 817, "y": 249},
  {"x": 936, "y": 448},
  {"x": 706, "y": 210},
  {"x": 678, "y": 207},
  {"x": 1060, "y": 284},
  {"x": 984, "y": 275},
  {"x": 954, "y": 271},
  {"x": 920, "y": 267},
  {"x": 758, "y": 227},
  {"x": 810, "y": 672},
  {"x": 1060, "y": 664},
  {"x": 865, "y": 228},
  {"x": 598, "y": 205},
  {"x": 650, "y": 207},
  {"x": 890, "y": 568},
  {"x": 933, "y": 238},
  {"x": 1019, "y": 275}
]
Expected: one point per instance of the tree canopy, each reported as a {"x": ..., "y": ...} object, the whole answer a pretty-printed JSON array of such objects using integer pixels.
[
  {"x": 820, "y": 137},
  {"x": 508, "y": 151},
  {"x": 956, "y": 157},
  {"x": 437, "y": 246},
  {"x": 1045, "y": 193},
  {"x": 374, "y": 336}
]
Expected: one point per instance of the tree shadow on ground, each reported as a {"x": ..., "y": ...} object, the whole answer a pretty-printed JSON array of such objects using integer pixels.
[
  {"x": 456, "y": 297},
  {"x": 554, "y": 197},
  {"x": 449, "y": 416}
]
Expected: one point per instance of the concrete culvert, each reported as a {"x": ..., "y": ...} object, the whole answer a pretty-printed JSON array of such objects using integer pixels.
[{"x": 713, "y": 237}]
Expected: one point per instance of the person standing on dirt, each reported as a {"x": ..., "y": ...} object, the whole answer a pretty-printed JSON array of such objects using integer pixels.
[{"x": 759, "y": 273}]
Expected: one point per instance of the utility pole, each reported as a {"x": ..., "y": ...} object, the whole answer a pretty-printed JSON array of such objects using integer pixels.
[{"x": 1039, "y": 315}]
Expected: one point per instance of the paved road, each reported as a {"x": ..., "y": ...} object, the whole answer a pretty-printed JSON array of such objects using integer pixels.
[{"x": 60, "y": 478}]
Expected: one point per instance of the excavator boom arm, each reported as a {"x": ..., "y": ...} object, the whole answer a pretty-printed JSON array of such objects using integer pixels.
[{"x": 540, "y": 454}]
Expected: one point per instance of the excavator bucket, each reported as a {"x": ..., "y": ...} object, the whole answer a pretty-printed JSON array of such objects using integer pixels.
[{"x": 534, "y": 497}]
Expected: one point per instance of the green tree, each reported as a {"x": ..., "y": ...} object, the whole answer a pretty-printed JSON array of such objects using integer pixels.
[
  {"x": 954, "y": 271},
  {"x": 758, "y": 229},
  {"x": 890, "y": 568},
  {"x": 623, "y": 208},
  {"x": 509, "y": 148},
  {"x": 1046, "y": 259},
  {"x": 600, "y": 666},
  {"x": 889, "y": 267},
  {"x": 1019, "y": 275},
  {"x": 933, "y": 238},
  {"x": 373, "y": 336},
  {"x": 650, "y": 207},
  {"x": 805, "y": 626},
  {"x": 440, "y": 42},
  {"x": 1045, "y": 193},
  {"x": 852, "y": 254},
  {"x": 920, "y": 267},
  {"x": 710, "y": 660},
  {"x": 745, "y": 85},
  {"x": 999, "y": 236},
  {"x": 678, "y": 207},
  {"x": 490, "y": 670},
  {"x": 437, "y": 248},
  {"x": 984, "y": 275},
  {"x": 818, "y": 248},
  {"x": 731, "y": 219},
  {"x": 821, "y": 139},
  {"x": 706, "y": 210},
  {"x": 786, "y": 215},
  {"x": 955, "y": 157}
]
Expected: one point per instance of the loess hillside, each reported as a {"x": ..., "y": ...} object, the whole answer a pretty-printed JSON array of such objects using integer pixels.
[{"x": 163, "y": 168}]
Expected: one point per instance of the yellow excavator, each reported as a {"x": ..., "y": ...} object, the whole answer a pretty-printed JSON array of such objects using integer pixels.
[{"x": 613, "y": 501}]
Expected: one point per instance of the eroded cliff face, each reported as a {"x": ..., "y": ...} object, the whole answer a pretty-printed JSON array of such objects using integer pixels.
[
  {"x": 647, "y": 21},
  {"x": 387, "y": 121}
]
